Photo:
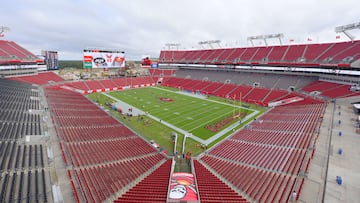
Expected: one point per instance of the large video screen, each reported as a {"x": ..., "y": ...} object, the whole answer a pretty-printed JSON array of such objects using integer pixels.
[
  {"x": 51, "y": 59},
  {"x": 103, "y": 58}
]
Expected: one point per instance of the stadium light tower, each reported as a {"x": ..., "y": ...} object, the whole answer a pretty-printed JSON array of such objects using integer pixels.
[
  {"x": 344, "y": 29},
  {"x": 201, "y": 43},
  {"x": 214, "y": 42},
  {"x": 210, "y": 43},
  {"x": 3, "y": 29},
  {"x": 171, "y": 46},
  {"x": 264, "y": 37}
]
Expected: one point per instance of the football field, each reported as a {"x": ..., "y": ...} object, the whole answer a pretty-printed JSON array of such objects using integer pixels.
[{"x": 195, "y": 115}]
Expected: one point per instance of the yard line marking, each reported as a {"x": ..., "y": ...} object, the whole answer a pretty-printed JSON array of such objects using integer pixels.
[{"x": 203, "y": 123}]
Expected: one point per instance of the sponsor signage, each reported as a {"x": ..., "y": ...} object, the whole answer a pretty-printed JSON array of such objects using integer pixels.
[{"x": 103, "y": 58}]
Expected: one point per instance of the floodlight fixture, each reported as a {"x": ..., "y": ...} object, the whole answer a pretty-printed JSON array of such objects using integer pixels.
[
  {"x": 210, "y": 43},
  {"x": 345, "y": 28},
  {"x": 201, "y": 43},
  {"x": 173, "y": 45},
  {"x": 3, "y": 29},
  {"x": 264, "y": 37}
]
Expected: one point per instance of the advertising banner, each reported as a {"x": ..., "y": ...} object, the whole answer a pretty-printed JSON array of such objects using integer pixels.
[{"x": 103, "y": 59}]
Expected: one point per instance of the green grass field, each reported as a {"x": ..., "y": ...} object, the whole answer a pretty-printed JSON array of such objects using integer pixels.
[{"x": 188, "y": 113}]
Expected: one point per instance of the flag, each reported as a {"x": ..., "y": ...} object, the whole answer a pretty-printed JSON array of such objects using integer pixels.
[{"x": 337, "y": 37}]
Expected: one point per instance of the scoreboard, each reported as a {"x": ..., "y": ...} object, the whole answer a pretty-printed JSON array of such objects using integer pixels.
[
  {"x": 51, "y": 59},
  {"x": 95, "y": 58}
]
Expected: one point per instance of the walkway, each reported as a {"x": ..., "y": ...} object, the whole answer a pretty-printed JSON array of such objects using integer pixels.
[{"x": 345, "y": 164}]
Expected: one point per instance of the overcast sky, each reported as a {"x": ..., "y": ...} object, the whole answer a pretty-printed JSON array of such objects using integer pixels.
[{"x": 143, "y": 27}]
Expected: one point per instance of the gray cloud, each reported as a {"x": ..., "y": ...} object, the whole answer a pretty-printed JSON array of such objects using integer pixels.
[{"x": 143, "y": 27}]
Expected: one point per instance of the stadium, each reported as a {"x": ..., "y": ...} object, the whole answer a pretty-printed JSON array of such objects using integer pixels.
[{"x": 273, "y": 123}]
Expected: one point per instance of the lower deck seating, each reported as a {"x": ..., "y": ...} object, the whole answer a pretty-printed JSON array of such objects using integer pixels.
[
  {"x": 330, "y": 89},
  {"x": 119, "y": 83},
  {"x": 22, "y": 164},
  {"x": 105, "y": 157},
  {"x": 30, "y": 186},
  {"x": 264, "y": 159},
  {"x": 212, "y": 189},
  {"x": 40, "y": 79},
  {"x": 259, "y": 185},
  {"x": 259, "y": 96},
  {"x": 153, "y": 188}
]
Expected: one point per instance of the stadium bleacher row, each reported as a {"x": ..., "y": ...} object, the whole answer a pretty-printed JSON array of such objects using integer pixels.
[
  {"x": 107, "y": 151},
  {"x": 84, "y": 133},
  {"x": 260, "y": 96},
  {"x": 30, "y": 186},
  {"x": 266, "y": 80},
  {"x": 111, "y": 178},
  {"x": 211, "y": 189},
  {"x": 40, "y": 79},
  {"x": 342, "y": 54},
  {"x": 15, "y": 105},
  {"x": 155, "y": 72},
  {"x": 14, "y": 131},
  {"x": 22, "y": 165},
  {"x": 105, "y": 156},
  {"x": 19, "y": 157},
  {"x": 89, "y": 86},
  {"x": 11, "y": 52},
  {"x": 330, "y": 90},
  {"x": 153, "y": 188}
]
